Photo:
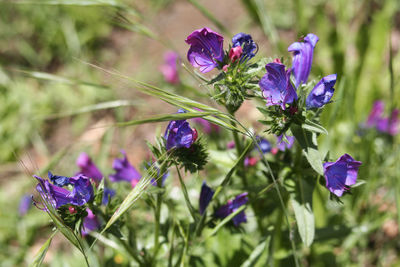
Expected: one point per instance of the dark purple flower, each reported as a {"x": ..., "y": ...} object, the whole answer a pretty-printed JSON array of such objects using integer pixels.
[
  {"x": 90, "y": 223},
  {"x": 179, "y": 134},
  {"x": 124, "y": 171},
  {"x": 88, "y": 168},
  {"x": 58, "y": 180},
  {"x": 231, "y": 207},
  {"x": 322, "y": 93},
  {"x": 206, "y": 194},
  {"x": 246, "y": 42},
  {"x": 169, "y": 68},
  {"x": 206, "y": 49},
  {"x": 107, "y": 194},
  {"x": 376, "y": 113},
  {"x": 264, "y": 145},
  {"x": 276, "y": 87},
  {"x": 283, "y": 145},
  {"x": 25, "y": 204},
  {"x": 341, "y": 174},
  {"x": 302, "y": 58},
  {"x": 82, "y": 191}
]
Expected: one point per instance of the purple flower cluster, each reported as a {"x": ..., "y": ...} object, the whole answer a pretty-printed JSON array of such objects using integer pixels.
[
  {"x": 389, "y": 125},
  {"x": 277, "y": 88},
  {"x": 249, "y": 47}
]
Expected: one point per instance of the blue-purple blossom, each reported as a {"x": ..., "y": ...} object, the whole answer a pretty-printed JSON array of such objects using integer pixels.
[
  {"x": 58, "y": 180},
  {"x": 206, "y": 195},
  {"x": 231, "y": 207},
  {"x": 341, "y": 174},
  {"x": 246, "y": 42},
  {"x": 322, "y": 93},
  {"x": 389, "y": 125},
  {"x": 276, "y": 86},
  {"x": 124, "y": 171},
  {"x": 90, "y": 223},
  {"x": 283, "y": 144},
  {"x": 206, "y": 49},
  {"x": 108, "y": 193},
  {"x": 264, "y": 145},
  {"x": 88, "y": 168},
  {"x": 302, "y": 58},
  {"x": 82, "y": 191},
  {"x": 25, "y": 204},
  {"x": 179, "y": 134}
]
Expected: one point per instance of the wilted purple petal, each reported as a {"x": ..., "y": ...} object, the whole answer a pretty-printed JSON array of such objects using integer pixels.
[
  {"x": 206, "y": 49},
  {"x": 88, "y": 168},
  {"x": 322, "y": 93},
  {"x": 302, "y": 58},
  {"x": 341, "y": 174},
  {"x": 206, "y": 195},
  {"x": 276, "y": 87}
]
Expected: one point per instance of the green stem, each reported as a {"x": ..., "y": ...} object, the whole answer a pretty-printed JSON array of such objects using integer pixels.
[{"x": 157, "y": 213}]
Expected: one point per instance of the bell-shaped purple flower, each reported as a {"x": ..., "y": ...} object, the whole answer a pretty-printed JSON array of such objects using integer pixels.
[
  {"x": 231, "y": 207},
  {"x": 282, "y": 144},
  {"x": 276, "y": 87},
  {"x": 124, "y": 170},
  {"x": 322, "y": 93},
  {"x": 206, "y": 194},
  {"x": 90, "y": 223},
  {"x": 169, "y": 68},
  {"x": 58, "y": 180},
  {"x": 24, "y": 205},
  {"x": 302, "y": 58},
  {"x": 341, "y": 174},
  {"x": 206, "y": 49},
  {"x": 246, "y": 42},
  {"x": 179, "y": 134},
  {"x": 82, "y": 191},
  {"x": 88, "y": 168},
  {"x": 376, "y": 113}
]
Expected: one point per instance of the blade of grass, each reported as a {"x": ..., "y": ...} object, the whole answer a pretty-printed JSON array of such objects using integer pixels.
[{"x": 39, "y": 257}]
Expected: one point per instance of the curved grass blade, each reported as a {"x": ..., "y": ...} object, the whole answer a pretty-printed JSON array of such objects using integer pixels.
[
  {"x": 257, "y": 253},
  {"x": 39, "y": 257}
]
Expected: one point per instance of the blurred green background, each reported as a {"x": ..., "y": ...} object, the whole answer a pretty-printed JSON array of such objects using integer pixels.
[{"x": 54, "y": 105}]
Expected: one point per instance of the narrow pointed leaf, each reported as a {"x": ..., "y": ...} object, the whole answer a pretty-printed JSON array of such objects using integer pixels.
[
  {"x": 39, "y": 257},
  {"x": 314, "y": 127}
]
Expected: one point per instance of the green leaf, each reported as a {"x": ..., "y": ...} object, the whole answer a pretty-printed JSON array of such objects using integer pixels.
[
  {"x": 308, "y": 142},
  {"x": 301, "y": 201},
  {"x": 257, "y": 252},
  {"x": 314, "y": 127},
  {"x": 39, "y": 257}
]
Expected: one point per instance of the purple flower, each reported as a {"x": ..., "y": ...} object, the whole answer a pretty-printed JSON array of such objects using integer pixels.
[
  {"x": 90, "y": 223},
  {"x": 25, "y": 204},
  {"x": 107, "y": 194},
  {"x": 179, "y": 134},
  {"x": 124, "y": 171},
  {"x": 246, "y": 42},
  {"x": 322, "y": 93},
  {"x": 302, "y": 58},
  {"x": 341, "y": 174},
  {"x": 376, "y": 113},
  {"x": 389, "y": 125},
  {"x": 82, "y": 191},
  {"x": 58, "y": 180},
  {"x": 88, "y": 168},
  {"x": 283, "y": 145},
  {"x": 206, "y": 49},
  {"x": 206, "y": 194},
  {"x": 231, "y": 207},
  {"x": 276, "y": 87},
  {"x": 169, "y": 68},
  {"x": 264, "y": 145}
]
